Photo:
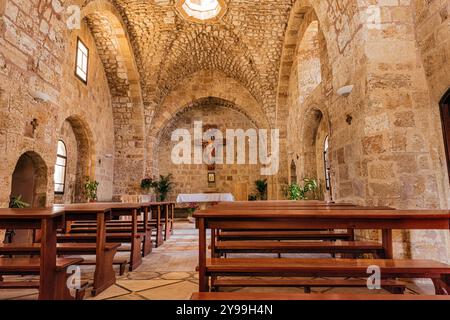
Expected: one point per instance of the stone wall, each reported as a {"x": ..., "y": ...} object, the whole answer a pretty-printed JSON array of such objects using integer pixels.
[
  {"x": 194, "y": 178},
  {"x": 37, "y": 54},
  {"x": 383, "y": 135}
]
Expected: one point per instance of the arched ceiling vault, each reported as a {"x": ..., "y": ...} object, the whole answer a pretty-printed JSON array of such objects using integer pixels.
[{"x": 245, "y": 44}]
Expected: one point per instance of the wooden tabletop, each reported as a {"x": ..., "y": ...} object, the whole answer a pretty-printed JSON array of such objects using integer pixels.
[
  {"x": 30, "y": 213},
  {"x": 257, "y": 213},
  {"x": 95, "y": 207},
  {"x": 281, "y": 203}
]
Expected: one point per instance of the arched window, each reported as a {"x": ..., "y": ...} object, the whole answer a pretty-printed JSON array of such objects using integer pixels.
[
  {"x": 326, "y": 162},
  {"x": 60, "y": 168}
]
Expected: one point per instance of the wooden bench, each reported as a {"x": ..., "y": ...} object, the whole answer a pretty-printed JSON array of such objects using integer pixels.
[
  {"x": 393, "y": 286},
  {"x": 120, "y": 227},
  {"x": 111, "y": 238},
  {"x": 331, "y": 247},
  {"x": 32, "y": 266},
  {"x": 248, "y": 296},
  {"x": 251, "y": 235},
  {"x": 438, "y": 272},
  {"x": 18, "y": 249}
]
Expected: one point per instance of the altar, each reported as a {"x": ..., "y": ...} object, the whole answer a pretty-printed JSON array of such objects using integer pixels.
[{"x": 205, "y": 198}]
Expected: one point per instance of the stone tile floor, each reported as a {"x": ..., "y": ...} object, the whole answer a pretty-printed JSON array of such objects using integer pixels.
[{"x": 168, "y": 273}]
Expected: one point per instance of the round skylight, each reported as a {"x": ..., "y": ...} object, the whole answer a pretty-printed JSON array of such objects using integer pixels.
[{"x": 202, "y": 10}]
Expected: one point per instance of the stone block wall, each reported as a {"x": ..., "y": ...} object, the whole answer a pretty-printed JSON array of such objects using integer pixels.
[
  {"x": 37, "y": 54},
  {"x": 194, "y": 178}
]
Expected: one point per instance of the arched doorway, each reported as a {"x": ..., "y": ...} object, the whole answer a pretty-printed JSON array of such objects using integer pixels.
[
  {"x": 313, "y": 152},
  {"x": 29, "y": 182},
  {"x": 445, "y": 118}
]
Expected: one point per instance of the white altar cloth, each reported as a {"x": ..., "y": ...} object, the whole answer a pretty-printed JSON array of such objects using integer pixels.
[{"x": 205, "y": 198}]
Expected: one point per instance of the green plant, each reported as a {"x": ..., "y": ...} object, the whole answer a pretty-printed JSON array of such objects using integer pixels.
[
  {"x": 90, "y": 189},
  {"x": 18, "y": 203},
  {"x": 261, "y": 187},
  {"x": 164, "y": 186},
  {"x": 192, "y": 207},
  {"x": 252, "y": 197},
  {"x": 147, "y": 184},
  {"x": 297, "y": 192}
]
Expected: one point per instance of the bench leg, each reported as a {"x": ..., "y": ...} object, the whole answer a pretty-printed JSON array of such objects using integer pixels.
[
  {"x": 442, "y": 285},
  {"x": 104, "y": 276},
  {"x": 122, "y": 268},
  {"x": 136, "y": 253},
  {"x": 159, "y": 236},
  {"x": 148, "y": 244},
  {"x": 63, "y": 292}
]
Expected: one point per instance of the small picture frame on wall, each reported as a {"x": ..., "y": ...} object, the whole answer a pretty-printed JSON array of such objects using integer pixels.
[{"x": 211, "y": 177}]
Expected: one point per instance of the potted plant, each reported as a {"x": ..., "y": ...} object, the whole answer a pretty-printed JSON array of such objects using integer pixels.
[
  {"x": 261, "y": 187},
  {"x": 147, "y": 184},
  {"x": 164, "y": 186},
  {"x": 90, "y": 189},
  {"x": 297, "y": 192},
  {"x": 14, "y": 203},
  {"x": 192, "y": 207},
  {"x": 18, "y": 203}
]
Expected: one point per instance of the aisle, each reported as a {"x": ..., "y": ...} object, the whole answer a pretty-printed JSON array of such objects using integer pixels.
[{"x": 168, "y": 273}]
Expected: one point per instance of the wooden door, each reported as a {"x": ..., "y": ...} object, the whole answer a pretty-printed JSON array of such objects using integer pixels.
[{"x": 240, "y": 191}]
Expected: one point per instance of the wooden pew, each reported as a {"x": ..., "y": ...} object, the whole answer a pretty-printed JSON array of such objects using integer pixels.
[
  {"x": 331, "y": 247},
  {"x": 93, "y": 211},
  {"x": 242, "y": 235},
  {"x": 66, "y": 249},
  {"x": 32, "y": 266},
  {"x": 438, "y": 272},
  {"x": 393, "y": 286},
  {"x": 248, "y": 296},
  {"x": 321, "y": 219},
  {"x": 237, "y": 241},
  {"x": 51, "y": 270},
  {"x": 162, "y": 227}
]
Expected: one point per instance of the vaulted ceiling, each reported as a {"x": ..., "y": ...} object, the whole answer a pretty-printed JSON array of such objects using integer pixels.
[{"x": 245, "y": 44}]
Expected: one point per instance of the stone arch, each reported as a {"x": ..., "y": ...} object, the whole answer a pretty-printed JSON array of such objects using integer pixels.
[
  {"x": 85, "y": 154},
  {"x": 30, "y": 179},
  {"x": 202, "y": 85},
  {"x": 116, "y": 52},
  {"x": 309, "y": 70},
  {"x": 191, "y": 178},
  {"x": 314, "y": 130},
  {"x": 192, "y": 105}
]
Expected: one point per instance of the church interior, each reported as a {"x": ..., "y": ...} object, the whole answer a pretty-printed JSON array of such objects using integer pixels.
[{"x": 224, "y": 149}]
